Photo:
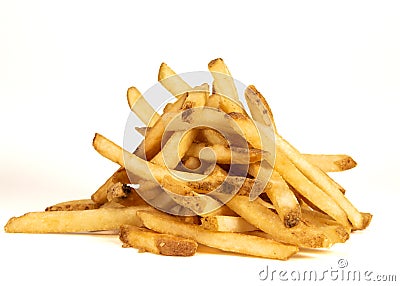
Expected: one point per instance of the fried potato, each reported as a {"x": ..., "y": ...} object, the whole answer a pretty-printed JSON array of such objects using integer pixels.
[
  {"x": 232, "y": 242},
  {"x": 75, "y": 205},
  {"x": 226, "y": 223},
  {"x": 164, "y": 244},
  {"x": 75, "y": 221}
]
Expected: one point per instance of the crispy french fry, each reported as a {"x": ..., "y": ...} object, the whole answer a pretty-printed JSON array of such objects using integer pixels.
[
  {"x": 223, "y": 81},
  {"x": 151, "y": 144},
  {"x": 224, "y": 155},
  {"x": 266, "y": 220},
  {"x": 141, "y": 107},
  {"x": 226, "y": 223},
  {"x": 171, "y": 81},
  {"x": 100, "y": 196},
  {"x": 75, "y": 205},
  {"x": 233, "y": 242},
  {"x": 323, "y": 181},
  {"x": 164, "y": 244},
  {"x": 192, "y": 163},
  {"x": 331, "y": 163},
  {"x": 307, "y": 189},
  {"x": 259, "y": 107},
  {"x": 74, "y": 221},
  {"x": 282, "y": 198}
]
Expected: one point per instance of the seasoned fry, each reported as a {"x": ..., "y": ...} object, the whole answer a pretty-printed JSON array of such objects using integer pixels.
[
  {"x": 223, "y": 81},
  {"x": 323, "y": 181},
  {"x": 100, "y": 196},
  {"x": 283, "y": 199},
  {"x": 75, "y": 221},
  {"x": 164, "y": 244},
  {"x": 224, "y": 155},
  {"x": 226, "y": 223},
  {"x": 75, "y": 205},
  {"x": 233, "y": 242},
  {"x": 331, "y": 163},
  {"x": 269, "y": 222},
  {"x": 140, "y": 106},
  {"x": 171, "y": 81}
]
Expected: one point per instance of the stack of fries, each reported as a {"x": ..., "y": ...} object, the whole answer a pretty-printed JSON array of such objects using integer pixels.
[{"x": 282, "y": 200}]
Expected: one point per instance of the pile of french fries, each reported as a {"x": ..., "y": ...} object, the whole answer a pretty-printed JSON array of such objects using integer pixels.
[{"x": 283, "y": 201}]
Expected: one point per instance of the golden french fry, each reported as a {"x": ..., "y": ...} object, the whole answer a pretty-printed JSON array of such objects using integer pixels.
[
  {"x": 171, "y": 81},
  {"x": 224, "y": 155},
  {"x": 266, "y": 220},
  {"x": 323, "y": 181},
  {"x": 141, "y": 107},
  {"x": 233, "y": 242},
  {"x": 164, "y": 244},
  {"x": 75, "y": 221},
  {"x": 226, "y": 223},
  {"x": 331, "y": 163},
  {"x": 223, "y": 81},
  {"x": 100, "y": 196},
  {"x": 283, "y": 199},
  {"x": 75, "y": 205}
]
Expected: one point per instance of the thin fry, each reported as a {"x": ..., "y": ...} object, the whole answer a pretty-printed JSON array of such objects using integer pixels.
[
  {"x": 164, "y": 244},
  {"x": 233, "y": 242}
]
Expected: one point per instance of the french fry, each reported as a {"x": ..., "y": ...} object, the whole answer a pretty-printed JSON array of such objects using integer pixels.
[
  {"x": 224, "y": 155},
  {"x": 75, "y": 221},
  {"x": 307, "y": 189},
  {"x": 192, "y": 163},
  {"x": 223, "y": 81},
  {"x": 226, "y": 223},
  {"x": 323, "y": 181},
  {"x": 331, "y": 163},
  {"x": 100, "y": 196},
  {"x": 164, "y": 244},
  {"x": 171, "y": 81},
  {"x": 282, "y": 198},
  {"x": 266, "y": 220},
  {"x": 75, "y": 205},
  {"x": 232, "y": 242},
  {"x": 151, "y": 144},
  {"x": 141, "y": 107}
]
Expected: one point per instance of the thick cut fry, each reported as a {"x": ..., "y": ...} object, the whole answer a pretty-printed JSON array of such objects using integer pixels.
[
  {"x": 269, "y": 222},
  {"x": 259, "y": 107},
  {"x": 100, "y": 196},
  {"x": 75, "y": 221},
  {"x": 307, "y": 189},
  {"x": 282, "y": 198},
  {"x": 141, "y": 107},
  {"x": 213, "y": 137},
  {"x": 75, "y": 205},
  {"x": 171, "y": 81},
  {"x": 233, "y": 242},
  {"x": 192, "y": 163},
  {"x": 151, "y": 144},
  {"x": 170, "y": 155},
  {"x": 224, "y": 155},
  {"x": 164, "y": 244},
  {"x": 223, "y": 81},
  {"x": 331, "y": 163},
  {"x": 226, "y": 223},
  {"x": 323, "y": 181}
]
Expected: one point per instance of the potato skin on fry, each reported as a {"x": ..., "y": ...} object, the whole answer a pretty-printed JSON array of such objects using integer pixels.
[{"x": 164, "y": 244}]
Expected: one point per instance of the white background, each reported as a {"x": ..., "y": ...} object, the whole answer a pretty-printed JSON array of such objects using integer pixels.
[{"x": 329, "y": 69}]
